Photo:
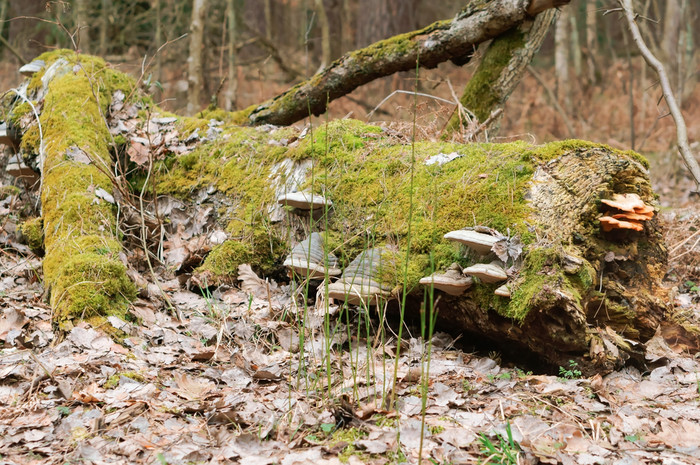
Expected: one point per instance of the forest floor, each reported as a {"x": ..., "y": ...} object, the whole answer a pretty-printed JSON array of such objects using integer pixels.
[
  {"x": 222, "y": 377},
  {"x": 227, "y": 377}
]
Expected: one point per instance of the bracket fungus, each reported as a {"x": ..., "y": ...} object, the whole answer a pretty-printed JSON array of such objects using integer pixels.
[
  {"x": 304, "y": 200},
  {"x": 32, "y": 68},
  {"x": 629, "y": 211},
  {"x": 451, "y": 282},
  {"x": 479, "y": 242},
  {"x": 360, "y": 283},
  {"x": 503, "y": 291},
  {"x": 308, "y": 259},
  {"x": 487, "y": 272}
]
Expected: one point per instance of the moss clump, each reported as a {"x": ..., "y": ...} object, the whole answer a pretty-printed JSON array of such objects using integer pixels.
[
  {"x": 113, "y": 381},
  {"x": 33, "y": 231},
  {"x": 6, "y": 191},
  {"x": 85, "y": 277}
]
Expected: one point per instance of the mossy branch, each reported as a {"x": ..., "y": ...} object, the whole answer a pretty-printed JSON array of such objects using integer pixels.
[
  {"x": 453, "y": 40},
  {"x": 500, "y": 69}
]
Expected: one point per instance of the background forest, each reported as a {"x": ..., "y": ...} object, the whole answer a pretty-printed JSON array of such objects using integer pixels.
[
  {"x": 587, "y": 82},
  {"x": 254, "y": 368}
]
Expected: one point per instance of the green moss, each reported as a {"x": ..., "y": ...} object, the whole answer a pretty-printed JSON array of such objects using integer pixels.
[
  {"x": 85, "y": 277},
  {"x": 33, "y": 231},
  {"x": 6, "y": 191},
  {"x": 224, "y": 259},
  {"x": 480, "y": 97},
  {"x": 113, "y": 381}
]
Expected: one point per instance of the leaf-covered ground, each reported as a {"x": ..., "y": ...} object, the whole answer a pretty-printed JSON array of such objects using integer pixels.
[{"x": 229, "y": 377}]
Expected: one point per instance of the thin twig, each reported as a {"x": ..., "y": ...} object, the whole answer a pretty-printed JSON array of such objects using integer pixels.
[
  {"x": 553, "y": 100},
  {"x": 681, "y": 130}
]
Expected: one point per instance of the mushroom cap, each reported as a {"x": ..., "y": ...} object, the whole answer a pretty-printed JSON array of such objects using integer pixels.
[
  {"x": 487, "y": 272},
  {"x": 308, "y": 259},
  {"x": 360, "y": 283},
  {"x": 503, "y": 291},
  {"x": 479, "y": 242},
  {"x": 31, "y": 68},
  {"x": 609, "y": 223},
  {"x": 633, "y": 216},
  {"x": 625, "y": 202},
  {"x": 303, "y": 200},
  {"x": 360, "y": 292},
  {"x": 451, "y": 282}
]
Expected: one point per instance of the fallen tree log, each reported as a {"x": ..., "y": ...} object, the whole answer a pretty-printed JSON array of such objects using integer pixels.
[{"x": 574, "y": 291}]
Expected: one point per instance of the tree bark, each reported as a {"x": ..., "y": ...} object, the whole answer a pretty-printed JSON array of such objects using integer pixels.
[
  {"x": 232, "y": 75},
  {"x": 444, "y": 40},
  {"x": 82, "y": 24},
  {"x": 195, "y": 76},
  {"x": 500, "y": 70},
  {"x": 561, "y": 59},
  {"x": 325, "y": 33}
]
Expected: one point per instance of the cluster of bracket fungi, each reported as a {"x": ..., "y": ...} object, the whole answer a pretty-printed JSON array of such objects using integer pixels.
[
  {"x": 627, "y": 211},
  {"x": 360, "y": 284}
]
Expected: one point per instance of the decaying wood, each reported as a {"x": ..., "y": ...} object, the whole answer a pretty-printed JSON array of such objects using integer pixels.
[{"x": 453, "y": 40}]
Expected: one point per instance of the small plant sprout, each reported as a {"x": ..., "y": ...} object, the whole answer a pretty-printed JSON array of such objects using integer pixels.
[
  {"x": 505, "y": 451},
  {"x": 572, "y": 372}
]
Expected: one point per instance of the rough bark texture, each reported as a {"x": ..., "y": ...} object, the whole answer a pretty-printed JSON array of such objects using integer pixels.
[
  {"x": 453, "y": 40},
  {"x": 501, "y": 68}
]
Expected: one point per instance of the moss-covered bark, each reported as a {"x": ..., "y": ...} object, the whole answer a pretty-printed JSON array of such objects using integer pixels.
[
  {"x": 500, "y": 69},
  {"x": 82, "y": 269},
  {"x": 581, "y": 308}
]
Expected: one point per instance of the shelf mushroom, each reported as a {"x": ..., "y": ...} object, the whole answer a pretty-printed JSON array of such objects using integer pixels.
[
  {"x": 479, "y": 242},
  {"x": 308, "y": 259},
  {"x": 451, "y": 282},
  {"x": 360, "y": 283},
  {"x": 304, "y": 200},
  {"x": 30, "y": 69},
  {"x": 487, "y": 272},
  {"x": 503, "y": 290},
  {"x": 629, "y": 211}
]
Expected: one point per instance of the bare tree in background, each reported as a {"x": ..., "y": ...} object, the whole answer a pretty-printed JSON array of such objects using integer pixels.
[
  {"x": 561, "y": 57},
  {"x": 195, "y": 77},
  {"x": 82, "y": 23},
  {"x": 232, "y": 78},
  {"x": 325, "y": 33},
  {"x": 591, "y": 49}
]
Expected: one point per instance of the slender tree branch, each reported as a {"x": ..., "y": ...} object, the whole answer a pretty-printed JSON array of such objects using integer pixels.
[{"x": 681, "y": 130}]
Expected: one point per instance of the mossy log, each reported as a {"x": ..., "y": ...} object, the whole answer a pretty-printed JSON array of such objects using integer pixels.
[{"x": 577, "y": 292}]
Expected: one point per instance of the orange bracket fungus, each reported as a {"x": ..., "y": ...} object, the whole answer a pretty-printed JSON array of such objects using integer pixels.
[{"x": 629, "y": 211}]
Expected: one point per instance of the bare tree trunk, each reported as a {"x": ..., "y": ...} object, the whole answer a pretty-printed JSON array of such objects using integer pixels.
[
  {"x": 575, "y": 43},
  {"x": 3, "y": 13},
  {"x": 591, "y": 40},
  {"x": 158, "y": 42},
  {"x": 268, "y": 19},
  {"x": 347, "y": 39},
  {"x": 672, "y": 25},
  {"x": 444, "y": 40},
  {"x": 104, "y": 26},
  {"x": 325, "y": 33},
  {"x": 196, "y": 76},
  {"x": 82, "y": 23},
  {"x": 232, "y": 88},
  {"x": 561, "y": 58}
]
